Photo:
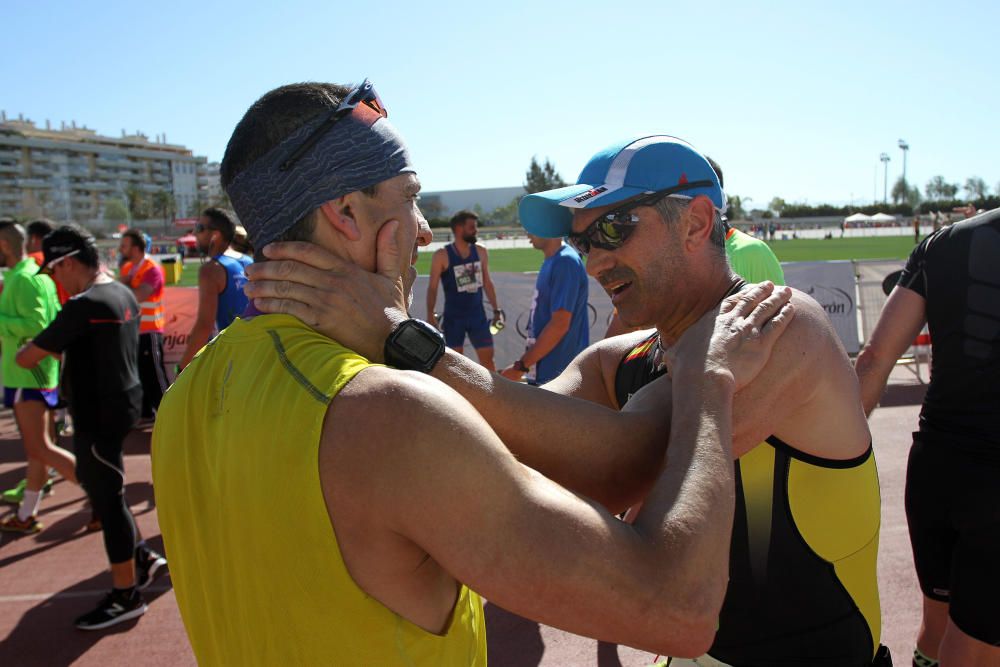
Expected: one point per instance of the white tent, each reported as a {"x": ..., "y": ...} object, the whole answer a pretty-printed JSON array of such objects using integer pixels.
[
  {"x": 883, "y": 217},
  {"x": 858, "y": 217}
]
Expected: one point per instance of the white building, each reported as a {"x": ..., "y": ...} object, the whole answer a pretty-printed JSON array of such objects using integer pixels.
[
  {"x": 445, "y": 203},
  {"x": 209, "y": 183},
  {"x": 72, "y": 172}
]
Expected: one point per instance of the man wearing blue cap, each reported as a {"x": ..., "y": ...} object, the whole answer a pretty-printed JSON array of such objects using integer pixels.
[
  {"x": 396, "y": 500},
  {"x": 648, "y": 215}
]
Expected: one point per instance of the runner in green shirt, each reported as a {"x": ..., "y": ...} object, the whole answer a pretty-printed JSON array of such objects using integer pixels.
[{"x": 27, "y": 304}]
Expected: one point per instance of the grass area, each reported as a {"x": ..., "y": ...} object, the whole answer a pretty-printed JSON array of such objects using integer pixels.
[
  {"x": 814, "y": 250},
  {"x": 518, "y": 260}
]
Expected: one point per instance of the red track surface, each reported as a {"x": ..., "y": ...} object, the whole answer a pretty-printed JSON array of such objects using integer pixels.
[{"x": 46, "y": 580}]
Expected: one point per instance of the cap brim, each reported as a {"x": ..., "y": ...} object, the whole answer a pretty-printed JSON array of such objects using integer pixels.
[{"x": 549, "y": 214}]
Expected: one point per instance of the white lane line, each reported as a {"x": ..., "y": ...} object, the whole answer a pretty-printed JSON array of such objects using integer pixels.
[{"x": 37, "y": 597}]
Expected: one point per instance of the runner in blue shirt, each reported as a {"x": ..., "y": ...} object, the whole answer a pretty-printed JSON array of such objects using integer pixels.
[{"x": 558, "y": 327}]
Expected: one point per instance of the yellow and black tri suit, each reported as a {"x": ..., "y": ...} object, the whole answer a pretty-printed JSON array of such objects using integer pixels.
[{"x": 802, "y": 583}]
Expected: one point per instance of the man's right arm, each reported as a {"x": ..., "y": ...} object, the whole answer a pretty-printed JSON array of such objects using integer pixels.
[{"x": 903, "y": 316}]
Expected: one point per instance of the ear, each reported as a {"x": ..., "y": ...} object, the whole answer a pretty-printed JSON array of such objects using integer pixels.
[
  {"x": 701, "y": 218},
  {"x": 340, "y": 215}
]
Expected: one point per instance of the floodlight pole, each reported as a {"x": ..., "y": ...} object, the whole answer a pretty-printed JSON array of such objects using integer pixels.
[
  {"x": 884, "y": 157},
  {"x": 903, "y": 146}
]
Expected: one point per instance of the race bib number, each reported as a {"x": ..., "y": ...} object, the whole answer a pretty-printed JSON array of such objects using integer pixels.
[{"x": 469, "y": 277}]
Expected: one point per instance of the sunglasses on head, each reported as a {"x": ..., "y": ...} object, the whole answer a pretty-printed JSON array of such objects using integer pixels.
[
  {"x": 363, "y": 94},
  {"x": 610, "y": 230}
]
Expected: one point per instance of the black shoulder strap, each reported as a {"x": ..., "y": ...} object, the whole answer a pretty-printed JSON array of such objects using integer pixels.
[{"x": 637, "y": 369}]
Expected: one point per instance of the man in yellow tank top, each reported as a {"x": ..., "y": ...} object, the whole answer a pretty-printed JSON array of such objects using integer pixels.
[
  {"x": 647, "y": 212},
  {"x": 397, "y": 499}
]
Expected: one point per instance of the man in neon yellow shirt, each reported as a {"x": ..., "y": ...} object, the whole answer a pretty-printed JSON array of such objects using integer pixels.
[{"x": 397, "y": 499}]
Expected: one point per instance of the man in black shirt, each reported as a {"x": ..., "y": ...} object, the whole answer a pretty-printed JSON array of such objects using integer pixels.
[
  {"x": 97, "y": 331},
  {"x": 951, "y": 283}
]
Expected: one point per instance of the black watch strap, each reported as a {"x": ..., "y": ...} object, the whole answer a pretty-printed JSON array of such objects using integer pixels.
[{"x": 414, "y": 345}]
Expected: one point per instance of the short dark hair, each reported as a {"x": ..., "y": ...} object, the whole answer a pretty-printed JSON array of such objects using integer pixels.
[
  {"x": 41, "y": 227},
  {"x": 12, "y": 232},
  {"x": 136, "y": 237},
  {"x": 718, "y": 171},
  {"x": 222, "y": 222},
  {"x": 459, "y": 218},
  {"x": 267, "y": 122},
  {"x": 78, "y": 237}
]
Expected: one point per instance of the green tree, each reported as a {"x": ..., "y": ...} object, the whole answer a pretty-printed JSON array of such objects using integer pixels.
[
  {"x": 899, "y": 191},
  {"x": 737, "y": 207},
  {"x": 903, "y": 193},
  {"x": 115, "y": 210},
  {"x": 938, "y": 188},
  {"x": 138, "y": 202},
  {"x": 539, "y": 178},
  {"x": 776, "y": 206},
  {"x": 506, "y": 215},
  {"x": 975, "y": 188},
  {"x": 164, "y": 205}
]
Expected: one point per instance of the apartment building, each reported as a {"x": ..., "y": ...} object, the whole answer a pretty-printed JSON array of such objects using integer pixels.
[{"x": 71, "y": 173}]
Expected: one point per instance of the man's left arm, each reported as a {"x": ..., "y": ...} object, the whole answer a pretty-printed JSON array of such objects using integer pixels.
[
  {"x": 902, "y": 318},
  {"x": 491, "y": 293},
  {"x": 210, "y": 278}
]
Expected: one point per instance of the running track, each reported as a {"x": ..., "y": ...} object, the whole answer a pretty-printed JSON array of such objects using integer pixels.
[{"x": 46, "y": 580}]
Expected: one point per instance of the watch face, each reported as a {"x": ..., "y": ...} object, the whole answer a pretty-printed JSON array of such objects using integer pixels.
[{"x": 418, "y": 342}]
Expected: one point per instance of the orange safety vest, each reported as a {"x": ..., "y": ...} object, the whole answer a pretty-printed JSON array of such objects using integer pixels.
[{"x": 152, "y": 318}]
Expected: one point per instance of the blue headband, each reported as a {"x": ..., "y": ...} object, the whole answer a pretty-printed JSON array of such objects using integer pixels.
[{"x": 358, "y": 153}]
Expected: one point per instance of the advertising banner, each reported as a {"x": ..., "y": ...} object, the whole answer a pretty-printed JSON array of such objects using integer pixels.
[
  {"x": 832, "y": 284},
  {"x": 180, "y": 306}
]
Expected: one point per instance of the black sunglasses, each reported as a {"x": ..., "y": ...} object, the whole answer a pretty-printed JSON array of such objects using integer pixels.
[
  {"x": 363, "y": 94},
  {"x": 611, "y": 230}
]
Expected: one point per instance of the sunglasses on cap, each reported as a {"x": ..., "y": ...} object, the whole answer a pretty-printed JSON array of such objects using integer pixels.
[
  {"x": 610, "y": 230},
  {"x": 363, "y": 94}
]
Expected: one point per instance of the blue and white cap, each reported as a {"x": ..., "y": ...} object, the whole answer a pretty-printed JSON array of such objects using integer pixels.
[{"x": 619, "y": 172}]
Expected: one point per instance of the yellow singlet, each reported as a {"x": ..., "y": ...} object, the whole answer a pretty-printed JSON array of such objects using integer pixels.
[{"x": 253, "y": 557}]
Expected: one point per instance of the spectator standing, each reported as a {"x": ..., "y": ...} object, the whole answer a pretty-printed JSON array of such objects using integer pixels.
[
  {"x": 97, "y": 332},
  {"x": 462, "y": 267},
  {"x": 27, "y": 305},
  {"x": 559, "y": 326},
  {"x": 145, "y": 278},
  {"x": 951, "y": 284},
  {"x": 220, "y": 280}
]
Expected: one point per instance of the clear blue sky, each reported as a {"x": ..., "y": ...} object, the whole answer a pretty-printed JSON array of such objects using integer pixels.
[{"x": 794, "y": 99}]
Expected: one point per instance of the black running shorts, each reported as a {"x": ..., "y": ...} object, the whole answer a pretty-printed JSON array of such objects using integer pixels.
[{"x": 953, "y": 511}]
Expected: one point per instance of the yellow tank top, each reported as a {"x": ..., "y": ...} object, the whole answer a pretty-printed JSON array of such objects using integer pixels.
[{"x": 253, "y": 556}]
